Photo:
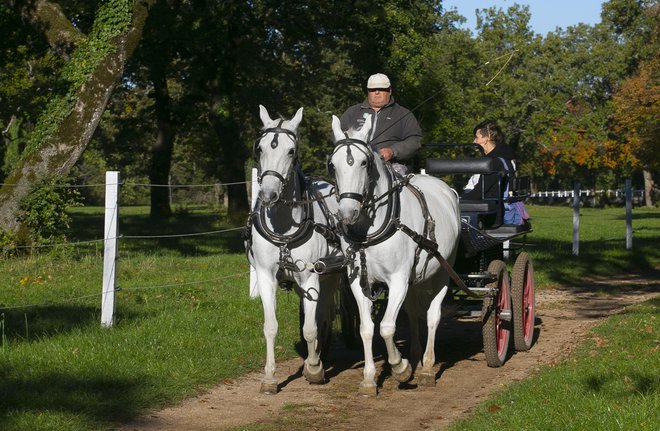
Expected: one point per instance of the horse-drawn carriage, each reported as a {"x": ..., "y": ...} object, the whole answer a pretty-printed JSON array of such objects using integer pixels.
[
  {"x": 484, "y": 287},
  {"x": 411, "y": 234}
]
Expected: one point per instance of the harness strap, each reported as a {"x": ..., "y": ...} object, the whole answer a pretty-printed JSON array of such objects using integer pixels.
[
  {"x": 432, "y": 248},
  {"x": 429, "y": 226},
  {"x": 388, "y": 228},
  {"x": 307, "y": 227}
]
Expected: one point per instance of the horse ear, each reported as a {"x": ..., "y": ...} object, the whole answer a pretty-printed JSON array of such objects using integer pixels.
[
  {"x": 295, "y": 121},
  {"x": 336, "y": 129},
  {"x": 363, "y": 134},
  {"x": 265, "y": 117}
]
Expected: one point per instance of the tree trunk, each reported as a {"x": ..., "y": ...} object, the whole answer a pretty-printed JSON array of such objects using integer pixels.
[
  {"x": 57, "y": 154},
  {"x": 233, "y": 169},
  {"x": 161, "y": 150},
  {"x": 648, "y": 188}
]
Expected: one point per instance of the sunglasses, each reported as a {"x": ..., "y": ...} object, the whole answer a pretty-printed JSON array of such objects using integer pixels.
[{"x": 373, "y": 90}]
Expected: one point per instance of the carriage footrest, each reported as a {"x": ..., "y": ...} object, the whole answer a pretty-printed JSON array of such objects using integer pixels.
[
  {"x": 509, "y": 230},
  {"x": 475, "y": 240}
]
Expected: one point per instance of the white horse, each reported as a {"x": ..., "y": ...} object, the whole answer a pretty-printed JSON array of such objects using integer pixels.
[
  {"x": 379, "y": 217},
  {"x": 289, "y": 230}
]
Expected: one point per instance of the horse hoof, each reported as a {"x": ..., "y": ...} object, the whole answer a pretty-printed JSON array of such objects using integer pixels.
[
  {"x": 312, "y": 377},
  {"x": 427, "y": 379},
  {"x": 268, "y": 387},
  {"x": 368, "y": 390},
  {"x": 404, "y": 375}
]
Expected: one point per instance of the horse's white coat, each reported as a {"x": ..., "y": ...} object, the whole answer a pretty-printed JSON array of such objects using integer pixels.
[
  {"x": 391, "y": 261},
  {"x": 285, "y": 219}
]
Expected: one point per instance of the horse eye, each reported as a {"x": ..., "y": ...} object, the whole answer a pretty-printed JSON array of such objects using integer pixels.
[
  {"x": 258, "y": 150},
  {"x": 292, "y": 152},
  {"x": 364, "y": 163}
]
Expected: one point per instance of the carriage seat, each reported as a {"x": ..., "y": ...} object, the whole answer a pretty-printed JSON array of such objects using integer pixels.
[
  {"x": 485, "y": 206},
  {"x": 481, "y": 165}
]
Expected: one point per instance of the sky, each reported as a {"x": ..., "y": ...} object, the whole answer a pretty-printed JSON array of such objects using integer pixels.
[{"x": 546, "y": 14}]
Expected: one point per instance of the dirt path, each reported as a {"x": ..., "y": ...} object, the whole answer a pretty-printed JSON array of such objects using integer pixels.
[{"x": 564, "y": 316}]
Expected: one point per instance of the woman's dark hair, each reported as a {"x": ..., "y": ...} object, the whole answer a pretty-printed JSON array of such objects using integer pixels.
[{"x": 491, "y": 129}]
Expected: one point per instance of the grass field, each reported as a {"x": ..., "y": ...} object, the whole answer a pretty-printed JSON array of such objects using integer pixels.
[
  {"x": 184, "y": 299},
  {"x": 611, "y": 383}
]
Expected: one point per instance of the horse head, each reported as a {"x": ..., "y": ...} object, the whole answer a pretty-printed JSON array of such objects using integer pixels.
[
  {"x": 352, "y": 161},
  {"x": 276, "y": 152}
]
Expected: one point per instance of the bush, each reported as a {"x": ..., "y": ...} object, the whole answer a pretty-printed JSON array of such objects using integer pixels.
[{"x": 43, "y": 213}]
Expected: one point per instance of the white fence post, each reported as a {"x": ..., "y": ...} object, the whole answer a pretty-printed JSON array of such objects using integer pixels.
[
  {"x": 576, "y": 218},
  {"x": 253, "y": 198},
  {"x": 110, "y": 248},
  {"x": 629, "y": 194}
]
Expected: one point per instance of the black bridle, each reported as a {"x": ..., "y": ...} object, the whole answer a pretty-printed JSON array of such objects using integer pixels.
[
  {"x": 365, "y": 149},
  {"x": 256, "y": 152}
]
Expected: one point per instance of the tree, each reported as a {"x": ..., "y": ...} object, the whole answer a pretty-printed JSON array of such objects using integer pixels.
[
  {"x": 68, "y": 122},
  {"x": 636, "y": 103},
  {"x": 637, "y": 119}
]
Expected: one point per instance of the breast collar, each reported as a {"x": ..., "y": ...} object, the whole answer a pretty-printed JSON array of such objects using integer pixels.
[
  {"x": 300, "y": 235},
  {"x": 393, "y": 211}
]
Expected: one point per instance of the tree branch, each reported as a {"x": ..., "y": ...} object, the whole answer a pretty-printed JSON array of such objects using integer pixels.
[{"x": 48, "y": 18}]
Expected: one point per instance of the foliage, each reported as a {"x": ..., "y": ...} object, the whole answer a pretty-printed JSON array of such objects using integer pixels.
[
  {"x": 44, "y": 212},
  {"x": 554, "y": 94},
  {"x": 112, "y": 18},
  {"x": 637, "y": 117},
  {"x": 28, "y": 80}
]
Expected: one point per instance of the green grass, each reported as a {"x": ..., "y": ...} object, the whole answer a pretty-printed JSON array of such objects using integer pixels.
[
  {"x": 611, "y": 383},
  {"x": 602, "y": 247},
  {"x": 183, "y": 302},
  {"x": 60, "y": 370}
]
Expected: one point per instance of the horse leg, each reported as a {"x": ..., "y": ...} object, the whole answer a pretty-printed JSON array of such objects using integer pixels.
[
  {"x": 267, "y": 290},
  {"x": 313, "y": 367},
  {"x": 401, "y": 369},
  {"x": 427, "y": 376},
  {"x": 413, "y": 322},
  {"x": 368, "y": 386}
]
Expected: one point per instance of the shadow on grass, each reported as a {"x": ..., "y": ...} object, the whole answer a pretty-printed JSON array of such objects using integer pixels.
[
  {"x": 38, "y": 323},
  {"x": 637, "y": 383},
  {"x": 596, "y": 258},
  {"x": 86, "y": 227},
  {"x": 99, "y": 399}
]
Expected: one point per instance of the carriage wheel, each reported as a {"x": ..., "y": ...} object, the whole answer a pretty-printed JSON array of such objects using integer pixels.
[
  {"x": 522, "y": 294},
  {"x": 496, "y": 316},
  {"x": 349, "y": 315}
]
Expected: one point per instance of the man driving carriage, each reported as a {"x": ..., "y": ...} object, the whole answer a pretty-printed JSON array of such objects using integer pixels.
[{"x": 395, "y": 133}]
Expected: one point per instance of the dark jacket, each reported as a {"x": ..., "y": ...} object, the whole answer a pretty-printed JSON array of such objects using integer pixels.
[
  {"x": 392, "y": 126},
  {"x": 490, "y": 182}
]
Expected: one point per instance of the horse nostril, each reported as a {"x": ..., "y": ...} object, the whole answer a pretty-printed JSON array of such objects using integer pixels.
[{"x": 268, "y": 197}]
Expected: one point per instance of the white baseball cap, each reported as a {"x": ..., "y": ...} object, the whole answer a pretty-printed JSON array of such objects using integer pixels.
[{"x": 378, "y": 80}]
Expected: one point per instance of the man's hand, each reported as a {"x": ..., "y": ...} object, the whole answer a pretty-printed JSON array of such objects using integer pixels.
[{"x": 385, "y": 153}]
